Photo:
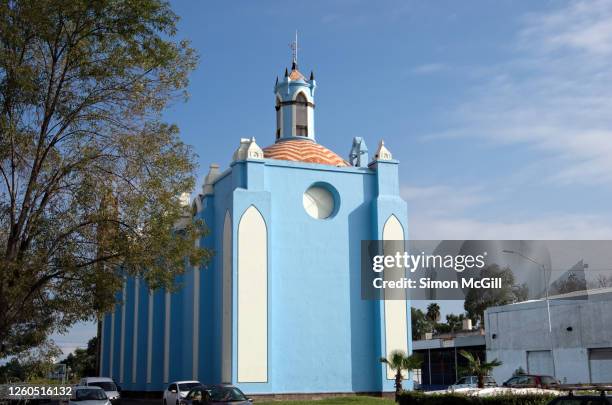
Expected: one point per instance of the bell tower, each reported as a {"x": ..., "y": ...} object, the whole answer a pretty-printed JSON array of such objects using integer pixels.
[{"x": 294, "y": 102}]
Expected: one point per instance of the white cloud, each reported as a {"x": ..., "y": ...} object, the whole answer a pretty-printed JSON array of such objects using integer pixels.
[
  {"x": 558, "y": 227},
  {"x": 452, "y": 212},
  {"x": 554, "y": 96},
  {"x": 443, "y": 199},
  {"x": 582, "y": 25}
]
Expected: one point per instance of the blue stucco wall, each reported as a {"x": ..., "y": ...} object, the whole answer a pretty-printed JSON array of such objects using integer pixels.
[{"x": 322, "y": 337}]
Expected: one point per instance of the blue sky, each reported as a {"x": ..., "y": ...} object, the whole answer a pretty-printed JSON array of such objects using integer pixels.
[{"x": 500, "y": 112}]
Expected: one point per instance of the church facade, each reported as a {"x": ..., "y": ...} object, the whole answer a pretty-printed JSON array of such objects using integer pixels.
[{"x": 279, "y": 308}]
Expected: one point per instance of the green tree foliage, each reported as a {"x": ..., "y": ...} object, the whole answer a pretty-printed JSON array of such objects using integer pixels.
[
  {"x": 480, "y": 369},
  {"x": 455, "y": 322},
  {"x": 433, "y": 312},
  {"x": 33, "y": 364},
  {"x": 420, "y": 324},
  {"x": 400, "y": 361},
  {"x": 89, "y": 172},
  {"x": 82, "y": 362},
  {"x": 479, "y": 299}
]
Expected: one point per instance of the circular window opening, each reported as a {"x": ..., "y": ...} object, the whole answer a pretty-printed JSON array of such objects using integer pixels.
[{"x": 319, "y": 202}]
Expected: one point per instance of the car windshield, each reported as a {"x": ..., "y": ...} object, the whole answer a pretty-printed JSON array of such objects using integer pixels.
[
  {"x": 105, "y": 385},
  {"x": 188, "y": 386},
  {"x": 89, "y": 395},
  {"x": 463, "y": 380},
  {"x": 489, "y": 380},
  {"x": 195, "y": 394},
  {"x": 226, "y": 394}
]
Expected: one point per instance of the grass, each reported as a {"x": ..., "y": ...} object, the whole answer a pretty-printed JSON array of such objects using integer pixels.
[{"x": 348, "y": 400}]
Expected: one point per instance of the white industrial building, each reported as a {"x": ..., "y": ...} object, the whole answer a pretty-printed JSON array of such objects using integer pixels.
[{"x": 578, "y": 350}]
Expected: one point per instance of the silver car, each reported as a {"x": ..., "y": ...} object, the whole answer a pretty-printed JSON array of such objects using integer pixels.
[
  {"x": 471, "y": 381},
  {"x": 88, "y": 396}
]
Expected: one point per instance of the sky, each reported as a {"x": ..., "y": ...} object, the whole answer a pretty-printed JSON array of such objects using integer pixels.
[{"x": 500, "y": 113}]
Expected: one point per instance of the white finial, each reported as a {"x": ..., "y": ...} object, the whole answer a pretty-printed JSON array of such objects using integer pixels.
[
  {"x": 254, "y": 151},
  {"x": 248, "y": 149},
  {"x": 294, "y": 49},
  {"x": 211, "y": 177},
  {"x": 382, "y": 153}
]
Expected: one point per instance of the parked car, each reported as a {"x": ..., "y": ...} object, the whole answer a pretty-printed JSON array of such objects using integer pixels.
[
  {"x": 471, "y": 381},
  {"x": 178, "y": 390},
  {"x": 215, "y": 394},
  {"x": 112, "y": 390},
  {"x": 85, "y": 395},
  {"x": 532, "y": 381},
  {"x": 581, "y": 400}
]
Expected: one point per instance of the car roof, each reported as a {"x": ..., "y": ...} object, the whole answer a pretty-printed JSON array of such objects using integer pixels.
[
  {"x": 87, "y": 387},
  {"x": 98, "y": 379},
  {"x": 185, "y": 381}
]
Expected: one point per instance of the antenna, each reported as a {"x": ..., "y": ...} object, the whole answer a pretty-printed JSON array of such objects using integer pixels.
[{"x": 294, "y": 48}]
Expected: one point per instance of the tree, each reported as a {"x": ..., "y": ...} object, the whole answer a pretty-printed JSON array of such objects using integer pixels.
[
  {"x": 12, "y": 371},
  {"x": 35, "y": 363},
  {"x": 399, "y": 361},
  {"x": 455, "y": 322},
  {"x": 568, "y": 284},
  {"x": 601, "y": 281},
  {"x": 441, "y": 328},
  {"x": 89, "y": 173},
  {"x": 479, "y": 299},
  {"x": 83, "y": 361},
  {"x": 433, "y": 312},
  {"x": 478, "y": 368},
  {"x": 420, "y": 324}
]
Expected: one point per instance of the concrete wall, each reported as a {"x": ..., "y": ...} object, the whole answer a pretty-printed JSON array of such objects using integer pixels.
[{"x": 577, "y": 326}]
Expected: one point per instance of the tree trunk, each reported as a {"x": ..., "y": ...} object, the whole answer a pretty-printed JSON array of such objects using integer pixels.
[
  {"x": 480, "y": 381},
  {"x": 398, "y": 384}
]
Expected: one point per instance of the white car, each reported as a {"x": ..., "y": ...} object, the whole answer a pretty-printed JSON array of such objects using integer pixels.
[
  {"x": 177, "y": 391},
  {"x": 88, "y": 396},
  {"x": 107, "y": 384}
]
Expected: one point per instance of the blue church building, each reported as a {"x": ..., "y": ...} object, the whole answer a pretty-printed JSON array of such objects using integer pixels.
[{"x": 279, "y": 308}]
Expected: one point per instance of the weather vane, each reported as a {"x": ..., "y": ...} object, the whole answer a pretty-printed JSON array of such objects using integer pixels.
[{"x": 294, "y": 48}]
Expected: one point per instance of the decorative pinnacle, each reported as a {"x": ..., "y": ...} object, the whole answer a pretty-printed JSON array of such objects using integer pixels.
[
  {"x": 286, "y": 72},
  {"x": 311, "y": 75}
]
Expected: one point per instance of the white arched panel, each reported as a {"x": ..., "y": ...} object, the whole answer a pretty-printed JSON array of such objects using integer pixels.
[
  {"x": 226, "y": 331},
  {"x": 252, "y": 297},
  {"x": 396, "y": 328}
]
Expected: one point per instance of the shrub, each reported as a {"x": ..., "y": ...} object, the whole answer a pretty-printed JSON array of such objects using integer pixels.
[{"x": 418, "y": 398}]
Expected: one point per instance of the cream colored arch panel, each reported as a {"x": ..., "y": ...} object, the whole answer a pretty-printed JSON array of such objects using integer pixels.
[
  {"x": 396, "y": 328},
  {"x": 252, "y": 297}
]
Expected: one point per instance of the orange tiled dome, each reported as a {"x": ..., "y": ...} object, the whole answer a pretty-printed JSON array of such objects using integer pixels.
[{"x": 302, "y": 150}]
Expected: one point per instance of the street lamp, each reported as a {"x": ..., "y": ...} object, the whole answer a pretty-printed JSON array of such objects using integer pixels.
[{"x": 531, "y": 259}]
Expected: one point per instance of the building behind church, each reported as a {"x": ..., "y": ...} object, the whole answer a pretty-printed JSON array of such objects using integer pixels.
[{"x": 279, "y": 308}]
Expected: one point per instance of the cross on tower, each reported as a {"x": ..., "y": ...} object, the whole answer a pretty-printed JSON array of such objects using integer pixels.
[{"x": 294, "y": 48}]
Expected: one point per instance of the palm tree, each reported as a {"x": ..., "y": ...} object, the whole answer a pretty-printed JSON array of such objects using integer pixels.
[
  {"x": 433, "y": 312},
  {"x": 478, "y": 368},
  {"x": 398, "y": 361}
]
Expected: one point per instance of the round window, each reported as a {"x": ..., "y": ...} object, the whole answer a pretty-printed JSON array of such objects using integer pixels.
[{"x": 319, "y": 202}]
